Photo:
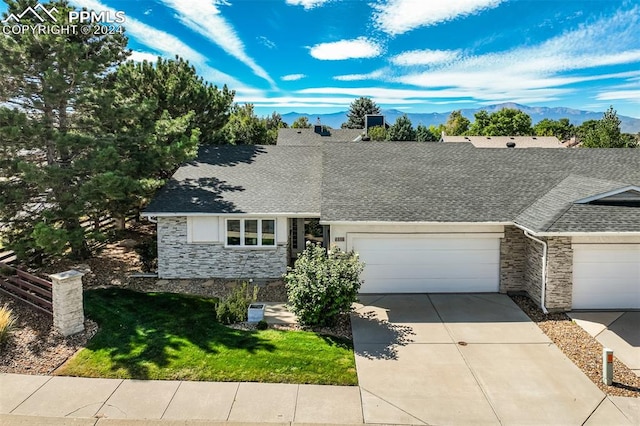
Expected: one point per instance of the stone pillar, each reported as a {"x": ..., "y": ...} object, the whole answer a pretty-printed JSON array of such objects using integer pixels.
[{"x": 68, "y": 312}]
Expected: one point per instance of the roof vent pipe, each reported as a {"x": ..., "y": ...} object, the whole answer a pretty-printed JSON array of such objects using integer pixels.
[{"x": 511, "y": 144}]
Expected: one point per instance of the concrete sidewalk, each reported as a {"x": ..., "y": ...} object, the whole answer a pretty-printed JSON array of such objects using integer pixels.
[
  {"x": 89, "y": 400},
  {"x": 619, "y": 331}
]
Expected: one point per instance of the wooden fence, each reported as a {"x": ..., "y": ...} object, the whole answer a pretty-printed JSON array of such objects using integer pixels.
[
  {"x": 28, "y": 288},
  {"x": 102, "y": 224}
]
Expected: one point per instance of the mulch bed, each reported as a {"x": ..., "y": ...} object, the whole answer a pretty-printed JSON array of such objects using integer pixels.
[
  {"x": 35, "y": 347},
  {"x": 581, "y": 348}
]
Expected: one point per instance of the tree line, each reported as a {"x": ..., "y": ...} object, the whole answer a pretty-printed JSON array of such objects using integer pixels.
[{"x": 603, "y": 133}]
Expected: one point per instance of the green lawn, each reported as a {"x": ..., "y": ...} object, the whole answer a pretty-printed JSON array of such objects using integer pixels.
[{"x": 172, "y": 336}]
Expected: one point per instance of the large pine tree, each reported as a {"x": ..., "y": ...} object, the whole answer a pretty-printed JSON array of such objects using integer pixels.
[
  {"x": 357, "y": 110},
  {"x": 47, "y": 78}
]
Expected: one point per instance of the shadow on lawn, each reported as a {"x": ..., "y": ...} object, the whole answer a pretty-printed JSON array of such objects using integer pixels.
[{"x": 143, "y": 329}]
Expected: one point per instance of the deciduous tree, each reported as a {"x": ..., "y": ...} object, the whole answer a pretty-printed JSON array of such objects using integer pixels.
[
  {"x": 301, "y": 122},
  {"x": 244, "y": 127},
  {"x": 378, "y": 133},
  {"x": 561, "y": 129},
  {"x": 457, "y": 124},
  {"x": 506, "y": 122}
]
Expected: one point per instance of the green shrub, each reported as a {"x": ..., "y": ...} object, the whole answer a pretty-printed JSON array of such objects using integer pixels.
[
  {"x": 234, "y": 308},
  {"x": 323, "y": 284},
  {"x": 7, "y": 323},
  {"x": 148, "y": 251},
  {"x": 262, "y": 325}
]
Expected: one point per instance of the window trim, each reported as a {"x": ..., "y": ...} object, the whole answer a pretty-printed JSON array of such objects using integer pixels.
[{"x": 242, "y": 233}]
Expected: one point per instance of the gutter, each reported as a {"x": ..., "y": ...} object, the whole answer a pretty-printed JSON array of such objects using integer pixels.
[{"x": 543, "y": 287}]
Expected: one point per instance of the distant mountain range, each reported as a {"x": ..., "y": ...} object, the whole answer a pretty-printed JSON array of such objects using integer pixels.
[{"x": 577, "y": 117}]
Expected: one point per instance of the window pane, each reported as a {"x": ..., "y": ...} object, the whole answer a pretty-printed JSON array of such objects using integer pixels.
[
  {"x": 268, "y": 233},
  {"x": 233, "y": 232},
  {"x": 250, "y": 232}
]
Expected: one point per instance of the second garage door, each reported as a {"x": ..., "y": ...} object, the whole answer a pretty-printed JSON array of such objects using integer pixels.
[
  {"x": 606, "y": 276},
  {"x": 428, "y": 263}
]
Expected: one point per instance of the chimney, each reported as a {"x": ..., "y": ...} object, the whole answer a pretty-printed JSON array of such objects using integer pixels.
[{"x": 320, "y": 129}]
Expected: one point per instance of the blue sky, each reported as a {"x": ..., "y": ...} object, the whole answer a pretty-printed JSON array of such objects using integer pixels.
[{"x": 316, "y": 56}]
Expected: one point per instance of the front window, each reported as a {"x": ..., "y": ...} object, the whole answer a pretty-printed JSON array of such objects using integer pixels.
[{"x": 251, "y": 232}]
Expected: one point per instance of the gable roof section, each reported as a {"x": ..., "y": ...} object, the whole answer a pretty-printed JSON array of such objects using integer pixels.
[
  {"x": 546, "y": 211},
  {"x": 631, "y": 192},
  {"x": 244, "y": 179},
  {"x": 596, "y": 218},
  {"x": 307, "y": 137}
]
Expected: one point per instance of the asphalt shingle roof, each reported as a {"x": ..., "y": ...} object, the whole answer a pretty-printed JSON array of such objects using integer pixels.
[
  {"x": 410, "y": 182},
  {"x": 307, "y": 137},
  {"x": 244, "y": 179},
  {"x": 549, "y": 208}
]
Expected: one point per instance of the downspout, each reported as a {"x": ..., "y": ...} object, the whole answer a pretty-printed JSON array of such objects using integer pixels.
[{"x": 543, "y": 287}]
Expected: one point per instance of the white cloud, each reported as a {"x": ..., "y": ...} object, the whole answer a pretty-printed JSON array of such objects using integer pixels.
[
  {"x": 400, "y": 16},
  {"x": 346, "y": 49},
  {"x": 143, "y": 56},
  {"x": 167, "y": 45},
  {"x": 540, "y": 72},
  {"x": 266, "y": 42},
  {"x": 418, "y": 95},
  {"x": 627, "y": 95},
  {"x": 313, "y": 101},
  {"x": 425, "y": 57},
  {"x": 373, "y": 75},
  {"x": 307, "y": 4},
  {"x": 204, "y": 18},
  {"x": 292, "y": 77}
]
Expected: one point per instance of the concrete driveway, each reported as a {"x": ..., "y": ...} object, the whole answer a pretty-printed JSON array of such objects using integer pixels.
[{"x": 464, "y": 359}]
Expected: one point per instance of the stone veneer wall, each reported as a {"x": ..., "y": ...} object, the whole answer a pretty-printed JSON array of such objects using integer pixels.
[
  {"x": 533, "y": 269},
  {"x": 179, "y": 259},
  {"x": 559, "y": 274},
  {"x": 512, "y": 260}
]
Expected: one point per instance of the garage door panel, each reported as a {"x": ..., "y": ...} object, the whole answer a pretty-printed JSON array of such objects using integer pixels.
[
  {"x": 413, "y": 243},
  {"x": 605, "y": 271},
  {"x": 609, "y": 256},
  {"x": 426, "y": 272},
  {"x": 420, "y": 263},
  {"x": 409, "y": 258},
  {"x": 606, "y": 276},
  {"x": 433, "y": 285}
]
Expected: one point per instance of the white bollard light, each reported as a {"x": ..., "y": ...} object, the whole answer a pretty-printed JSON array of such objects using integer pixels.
[{"x": 607, "y": 366}]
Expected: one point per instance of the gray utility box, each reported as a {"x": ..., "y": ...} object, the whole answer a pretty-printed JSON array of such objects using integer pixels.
[{"x": 256, "y": 312}]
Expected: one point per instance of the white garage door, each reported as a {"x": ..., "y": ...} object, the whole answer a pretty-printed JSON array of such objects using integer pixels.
[
  {"x": 606, "y": 276},
  {"x": 423, "y": 263}
]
